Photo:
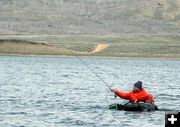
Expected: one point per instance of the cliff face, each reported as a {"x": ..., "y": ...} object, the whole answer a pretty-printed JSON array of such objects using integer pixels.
[{"x": 89, "y": 17}]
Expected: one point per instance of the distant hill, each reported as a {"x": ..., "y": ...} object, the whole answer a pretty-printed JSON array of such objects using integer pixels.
[
  {"x": 89, "y": 17},
  {"x": 141, "y": 46}
]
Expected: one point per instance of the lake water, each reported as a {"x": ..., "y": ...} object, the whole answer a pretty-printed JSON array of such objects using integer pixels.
[{"x": 61, "y": 91}]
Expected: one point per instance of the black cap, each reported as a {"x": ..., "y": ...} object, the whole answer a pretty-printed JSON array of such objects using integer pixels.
[{"x": 138, "y": 84}]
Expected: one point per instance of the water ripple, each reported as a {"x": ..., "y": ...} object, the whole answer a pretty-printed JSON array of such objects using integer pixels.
[{"x": 57, "y": 92}]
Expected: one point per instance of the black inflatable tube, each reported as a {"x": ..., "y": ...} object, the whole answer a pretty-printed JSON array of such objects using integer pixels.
[{"x": 134, "y": 107}]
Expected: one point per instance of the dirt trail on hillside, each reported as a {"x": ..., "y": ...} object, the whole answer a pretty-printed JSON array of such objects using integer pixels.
[{"x": 99, "y": 47}]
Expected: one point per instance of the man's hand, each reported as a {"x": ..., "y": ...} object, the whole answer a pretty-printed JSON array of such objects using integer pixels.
[
  {"x": 113, "y": 89},
  {"x": 135, "y": 102},
  {"x": 151, "y": 101}
]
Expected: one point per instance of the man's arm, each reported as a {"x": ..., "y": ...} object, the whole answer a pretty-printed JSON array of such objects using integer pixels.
[{"x": 122, "y": 95}]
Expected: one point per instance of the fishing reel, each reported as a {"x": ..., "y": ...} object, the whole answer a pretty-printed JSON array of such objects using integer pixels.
[{"x": 115, "y": 96}]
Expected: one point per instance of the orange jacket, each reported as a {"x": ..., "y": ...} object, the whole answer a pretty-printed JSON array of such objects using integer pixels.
[{"x": 142, "y": 95}]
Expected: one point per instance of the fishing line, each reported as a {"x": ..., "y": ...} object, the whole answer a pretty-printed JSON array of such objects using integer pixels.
[{"x": 87, "y": 67}]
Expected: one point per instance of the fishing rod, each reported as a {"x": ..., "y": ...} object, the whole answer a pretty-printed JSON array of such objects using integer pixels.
[
  {"x": 88, "y": 67},
  {"x": 94, "y": 73}
]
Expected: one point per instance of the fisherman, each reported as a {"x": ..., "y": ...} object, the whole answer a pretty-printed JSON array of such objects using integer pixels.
[{"x": 138, "y": 95}]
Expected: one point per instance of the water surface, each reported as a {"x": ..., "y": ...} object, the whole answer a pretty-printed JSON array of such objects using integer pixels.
[{"x": 61, "y": 91}]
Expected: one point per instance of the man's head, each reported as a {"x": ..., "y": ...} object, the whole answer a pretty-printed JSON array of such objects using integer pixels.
[{"x": 137, "y": 86}]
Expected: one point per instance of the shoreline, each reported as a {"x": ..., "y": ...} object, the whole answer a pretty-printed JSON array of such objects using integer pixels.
[{"x": 86, "y": 56}]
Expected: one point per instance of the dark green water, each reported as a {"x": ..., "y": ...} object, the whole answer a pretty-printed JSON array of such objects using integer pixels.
[{"x": 60, "y": 92}]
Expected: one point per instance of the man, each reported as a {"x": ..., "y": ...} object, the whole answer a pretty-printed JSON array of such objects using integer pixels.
[{"x": 137, "y": 95}]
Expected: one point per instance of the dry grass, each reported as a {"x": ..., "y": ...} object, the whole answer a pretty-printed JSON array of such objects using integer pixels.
[
  {"x": 112, "y": 46},
  {"x": 29, "y": 48}
]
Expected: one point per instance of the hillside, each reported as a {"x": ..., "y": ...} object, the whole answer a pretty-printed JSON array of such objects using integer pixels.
[
  {"x": 90, "y": 17},
  {"x": 142, "y": 46}
]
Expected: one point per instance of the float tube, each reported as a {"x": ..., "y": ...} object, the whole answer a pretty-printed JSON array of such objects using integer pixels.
[{"x": 134, "y": 107}]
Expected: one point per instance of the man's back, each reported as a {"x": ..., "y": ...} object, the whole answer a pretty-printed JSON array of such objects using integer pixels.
[{"x": 141, "y": 95}]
